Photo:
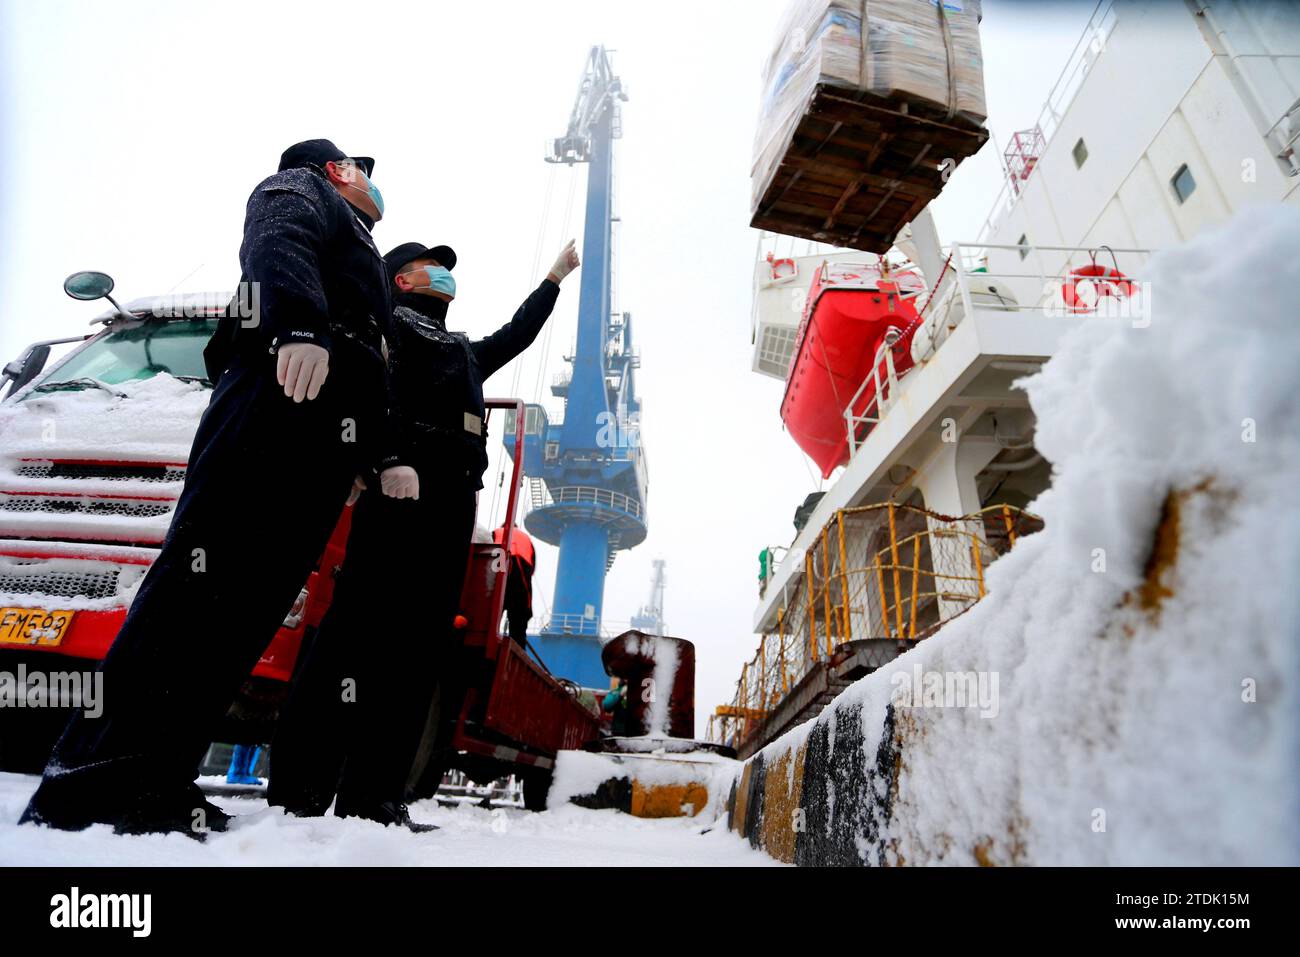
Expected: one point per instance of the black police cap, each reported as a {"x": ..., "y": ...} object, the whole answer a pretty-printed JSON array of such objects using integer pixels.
[
  {"x": 318, "y": 153},
  {"x": 408, "y": 252}
]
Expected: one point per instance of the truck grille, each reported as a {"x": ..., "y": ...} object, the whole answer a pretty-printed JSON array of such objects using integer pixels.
[
  {"x": 129, "y": 471},
  {"x": 61, "y": 505},
  {"x": 18, "y": 577}
]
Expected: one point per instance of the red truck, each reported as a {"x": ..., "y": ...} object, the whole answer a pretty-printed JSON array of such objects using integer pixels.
[{"x": 92, "y": 459}]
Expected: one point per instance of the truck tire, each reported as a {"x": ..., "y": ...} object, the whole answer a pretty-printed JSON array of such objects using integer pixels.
[
  {"x": 431, "y": 760},
  {"x": 537, "y": 785},
  {"x": 426, "y": 786}
]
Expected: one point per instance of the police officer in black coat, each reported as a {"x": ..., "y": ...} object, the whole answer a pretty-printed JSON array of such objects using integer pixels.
[
  {"x": 295, "y": 414},
  {"x": 353, "y": 723}
]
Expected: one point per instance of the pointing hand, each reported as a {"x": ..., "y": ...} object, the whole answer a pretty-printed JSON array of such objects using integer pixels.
[{"x": 565, "y": 263}]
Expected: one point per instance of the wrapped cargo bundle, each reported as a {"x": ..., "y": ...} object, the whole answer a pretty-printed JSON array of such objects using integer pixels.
[{"x": 854, "y": 125}]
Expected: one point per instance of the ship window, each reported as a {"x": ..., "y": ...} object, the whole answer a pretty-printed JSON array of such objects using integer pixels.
[
  {"x": 1023, "y": 243},
  {"x": 1080, "y": 153},
  {"x": 776, "y": 350},
  {"x": 1183, "y": 183},
  {"x": 552, "y": 451}
]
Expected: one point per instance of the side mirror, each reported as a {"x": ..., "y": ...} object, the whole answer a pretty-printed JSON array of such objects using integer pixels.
[
  {"x": 26, "y": 367},
  {"x": 88, "y": 285}
]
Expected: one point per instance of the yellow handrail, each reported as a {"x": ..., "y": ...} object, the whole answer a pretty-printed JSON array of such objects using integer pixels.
[{"x": 943, "y": 578}]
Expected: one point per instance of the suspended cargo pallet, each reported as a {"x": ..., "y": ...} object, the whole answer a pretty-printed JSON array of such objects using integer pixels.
[
  {"x": 855, "y": 172},
  {"x": 866, "y": 110}
]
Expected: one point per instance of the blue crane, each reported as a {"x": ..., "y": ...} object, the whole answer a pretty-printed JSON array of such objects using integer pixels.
[{"x": 586, "y": 471}]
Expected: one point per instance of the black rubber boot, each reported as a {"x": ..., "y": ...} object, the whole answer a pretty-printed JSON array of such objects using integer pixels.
[
  {"x": 189, "y": 813},
  {"x": 388, "y": 813}
]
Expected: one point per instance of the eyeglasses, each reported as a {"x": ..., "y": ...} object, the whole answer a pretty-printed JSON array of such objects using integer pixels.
[{"x": 350, "y": 169}]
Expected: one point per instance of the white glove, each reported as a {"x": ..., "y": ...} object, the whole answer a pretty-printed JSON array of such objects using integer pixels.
[
  {"x": 301, "y": 368},
  {"x": 565, "y": 263},
  {"x": 358, "y": 486},
  {"x": 400, "y": 481}
]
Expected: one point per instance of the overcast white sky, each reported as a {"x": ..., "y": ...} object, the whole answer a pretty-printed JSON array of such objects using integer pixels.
[{"x": 133, "y": 132}]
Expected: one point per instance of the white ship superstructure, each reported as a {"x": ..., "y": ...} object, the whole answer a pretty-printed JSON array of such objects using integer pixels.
[{"x": 1166, "y": 119}]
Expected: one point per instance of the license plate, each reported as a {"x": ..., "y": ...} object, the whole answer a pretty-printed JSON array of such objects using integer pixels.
[{"x": 33, "y": 626}]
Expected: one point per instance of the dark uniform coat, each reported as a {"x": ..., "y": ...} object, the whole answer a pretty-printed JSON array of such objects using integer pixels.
[
  {"x": 390, "y": 624},
  {"x": 266, "y": 481}
]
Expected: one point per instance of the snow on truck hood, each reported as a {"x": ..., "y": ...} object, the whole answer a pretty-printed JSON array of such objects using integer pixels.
[
  {"x": 145, "y": 421},
  {"x": 148, "y": 420}
]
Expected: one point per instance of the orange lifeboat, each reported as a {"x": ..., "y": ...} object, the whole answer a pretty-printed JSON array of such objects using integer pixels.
[{"x": 851, "y": 308}]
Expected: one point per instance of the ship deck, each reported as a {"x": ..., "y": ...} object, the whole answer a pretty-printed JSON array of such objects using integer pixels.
[{"x": 970, "y": 373}]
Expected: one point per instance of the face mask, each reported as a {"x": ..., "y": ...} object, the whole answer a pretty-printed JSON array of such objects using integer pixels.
[
  {"x": 440, "y": 280},
  {"x": 375, "y": 196}
]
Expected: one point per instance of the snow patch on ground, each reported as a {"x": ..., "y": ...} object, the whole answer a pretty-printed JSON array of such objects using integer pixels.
[{"x": 470, "y": 836}]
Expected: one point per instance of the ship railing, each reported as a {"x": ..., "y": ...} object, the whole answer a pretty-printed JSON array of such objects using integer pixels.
[
  {"x": 884, "y": 386},
  {"x": 775, "y": 557},
  {"x": 1285, "y": 131},
  {"x": 1024, "y": 278},
  {"x": 885, "y": 571},
  {"x": 1265, "y": 81},
  {"x": 1077, "y": 66},
  {"x": 1029, "y": 277}
]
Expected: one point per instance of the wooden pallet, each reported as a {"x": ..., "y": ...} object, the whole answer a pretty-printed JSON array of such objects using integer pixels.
[{"x": 860, "y": 167}]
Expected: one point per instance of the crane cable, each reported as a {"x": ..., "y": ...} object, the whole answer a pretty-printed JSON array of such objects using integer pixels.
[
  {"x": 547, "y": 333},
  {"x": 544, "y": 355},
  {"x": 518, "y": 361},
  {"x": 537, "y": 257}
]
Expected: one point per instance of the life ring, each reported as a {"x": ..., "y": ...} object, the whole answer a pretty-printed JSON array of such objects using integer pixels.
[
  {"x": 777, "y": 265},
  {"x": 1104, "y": 280}
]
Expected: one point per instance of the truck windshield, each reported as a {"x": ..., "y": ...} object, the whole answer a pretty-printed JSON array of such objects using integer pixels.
[{"x": 137, "y": 350}]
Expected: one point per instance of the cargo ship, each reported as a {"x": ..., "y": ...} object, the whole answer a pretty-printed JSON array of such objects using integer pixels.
[{"x": 900, "y": 356}]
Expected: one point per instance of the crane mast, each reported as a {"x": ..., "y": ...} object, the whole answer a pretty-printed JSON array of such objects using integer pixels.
[{"x": 586, "y": 471}]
